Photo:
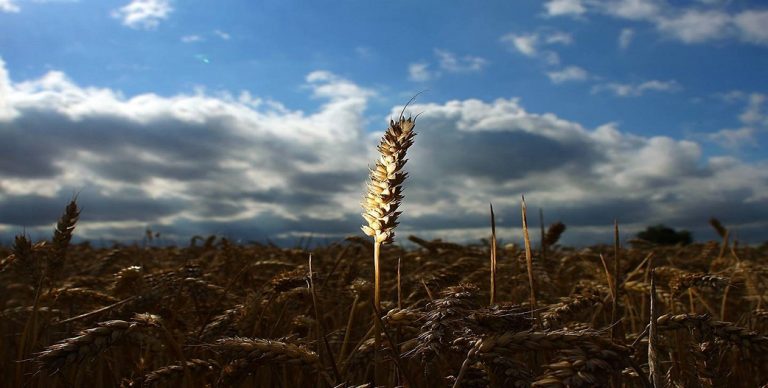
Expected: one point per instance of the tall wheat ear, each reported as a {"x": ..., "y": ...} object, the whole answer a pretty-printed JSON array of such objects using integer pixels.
[{"x": 385, "y": 190}]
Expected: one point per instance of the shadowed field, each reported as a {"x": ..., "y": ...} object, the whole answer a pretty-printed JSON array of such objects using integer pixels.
[{"x": 219, "y": 314}]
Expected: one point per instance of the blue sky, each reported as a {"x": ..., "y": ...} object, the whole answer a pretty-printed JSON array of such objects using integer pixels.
[{"x": 258, "y": 118}]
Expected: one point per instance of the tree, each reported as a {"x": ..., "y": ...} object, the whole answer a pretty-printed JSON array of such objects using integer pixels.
[{"x": 664, "y": 235}]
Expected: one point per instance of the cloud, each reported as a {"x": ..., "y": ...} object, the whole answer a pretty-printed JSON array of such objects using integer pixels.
[
  {"x": 558, "y": 37},
  {"x": 625, "y": 38},
  {"x": 453, "y": 64},
  {"x": 565, "y": 7},
  {"x": 8, "y": 6},
  {"x": 570, "y": 73},
  {"x": 221, "y": 34},
  {"x": 636, "y": 90},
  {"x": 754, "y": 121},
  {"x": 419, "y": 72},
  {"x": 585, "y": 177},
  {"x": 191, "y": 38},
  {"x": 178, "y": 161},
  {"x": 143, "y": 14},
  {"x": 6, "y": 109},
  {"x": 693, "y": 24},
  {"x": 447, "y": 63},
  {"x": 523, "y": 43},
  {"x": 529, "y": 44},
  {"x": 252, "y": 169},
  {"x": 630, "y": 9},
  {"x": 752, "y": 26}
]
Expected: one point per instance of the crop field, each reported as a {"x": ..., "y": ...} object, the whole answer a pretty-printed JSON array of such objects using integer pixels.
[
  {"x": 369, "y": 312},
  {"x": 219, "y": 314}
]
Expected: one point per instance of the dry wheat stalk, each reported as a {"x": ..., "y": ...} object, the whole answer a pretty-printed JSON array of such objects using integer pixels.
[
  {"x": 249, "y": 353},
  {"x": 578, "y": 368},
  {"x": 553, "y": 234},
  {"x": 90, "y": 342},
  {"x": 719, "y": 228},
  {"x": 73, "y": 294},
  {"x": 519, "y": 341},
  {"x": 684, "y": 281},
  {"x": 760, "y": 314},
  {"x": 708, "y": 328},
  {"x": 385, "y": 190},
  {"x": 266, "y": 351},
  {"x": 62, "y": 235},
  {"x": 445, "y": 321},
  {"x": 195, "y": 367},
  {"x": 568, "y": 308}
]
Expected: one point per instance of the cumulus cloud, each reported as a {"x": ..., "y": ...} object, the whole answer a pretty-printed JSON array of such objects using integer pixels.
[
  {"x": 583, "y": 176},
  {"x": 530, "y": 43},
  {"x": 143, "y": 14},
  {"x": 454, "y": 64},
  {"x": 8, "y": 6},
  {"x": 565, "y": 7},
  {"x": 752, "y": 26},
  {"x": 251, "y": 168},
  {"x": 570, "y": 73},
  {"x": 190, "y": 158},
  {"x": 635, "y": 90},
  {"x": 419, "y": 72},
  {"x": 222, "y": 35},
  {"x": 709, "y": 21},
  {"x": 625, "y": 37},
  {"x": 694, "y": 26},
  {"x": 191, "y": 38},
  {"x": 447, "y": 63},
  {"x": 754, "y": 120},
  {"x": 630, "y": 9}
]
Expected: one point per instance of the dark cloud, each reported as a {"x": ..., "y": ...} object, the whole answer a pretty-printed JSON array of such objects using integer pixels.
[
  {"x": 35, "y": 210},
  {"x": 200, "y": 165},
  {"x": 495, "y": 155}
]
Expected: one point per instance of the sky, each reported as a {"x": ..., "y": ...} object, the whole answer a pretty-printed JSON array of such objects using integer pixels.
[{"x": 258, "y": 120}]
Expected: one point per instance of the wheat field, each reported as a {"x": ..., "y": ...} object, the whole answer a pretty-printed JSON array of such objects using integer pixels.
[{"x": 215, "y": 313}]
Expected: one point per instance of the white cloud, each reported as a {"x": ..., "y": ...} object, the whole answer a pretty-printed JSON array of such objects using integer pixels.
[
  {"x": 451, "y": 63},
  {"x": 754, "y": 121},
  {"x": 731, "y": 96},
  {"x": 558, "y": 37},
  {"x": 447, "y": 62},
  {"x": 711, "y": 20},
  {"x": 8, "y": 6},
  {"x": 221, "y": 34},
  {"x": 191, "y": 38},
  {"x": 586, "y": 177},
  {"x": 631, "y": 9},
  {"x": 570, "y": 73},
  {"x": 419, "y": 72},
  {"x": 734, "y": 138},
  {"x": 694, "y": 26},
  {"x": 625, "y": 38},
  {"x": 183, "y": 162},
  {"x": 529, "y": 44},
  {"x": 754, "y": 112},
  {"x": 523, "y": 43},
  {"x": 7, "y": 111},
  {"x": 143, "y": 14},
  {"x": 753, "y": 26},
  {"x": 565, "y": 7},
  {"x": 635, "y": 90}
]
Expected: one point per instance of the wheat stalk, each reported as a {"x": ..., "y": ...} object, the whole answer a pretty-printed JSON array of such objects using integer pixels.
[
  {"x": 90, "y": 342},
  {"x": 385, "y": 191}
]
